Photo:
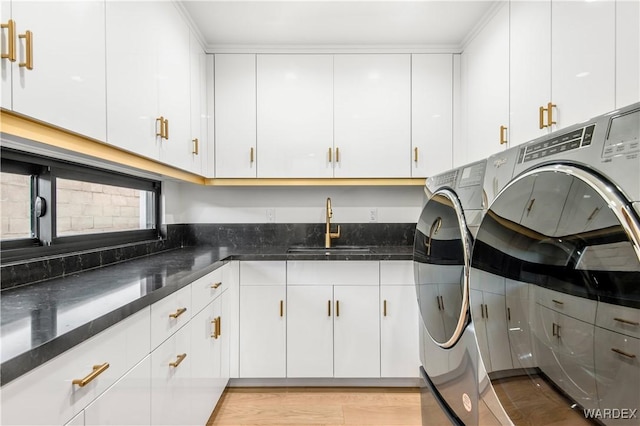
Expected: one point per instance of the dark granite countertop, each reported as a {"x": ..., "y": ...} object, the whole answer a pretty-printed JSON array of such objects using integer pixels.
[{"x": 42, "y": 320}]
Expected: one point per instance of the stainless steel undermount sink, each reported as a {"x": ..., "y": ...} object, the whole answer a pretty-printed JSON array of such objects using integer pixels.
[{"x": 331, "y": 250}]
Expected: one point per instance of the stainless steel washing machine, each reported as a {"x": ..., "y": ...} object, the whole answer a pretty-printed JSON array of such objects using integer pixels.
[
  {"x": 442, "y": 250},
  {"x": 555, "y": 280}
]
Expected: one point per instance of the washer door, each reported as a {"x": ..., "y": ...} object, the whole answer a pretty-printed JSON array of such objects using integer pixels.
[
  {"x": 441, "y": 264},
  {"x": 555, "y": 299}
]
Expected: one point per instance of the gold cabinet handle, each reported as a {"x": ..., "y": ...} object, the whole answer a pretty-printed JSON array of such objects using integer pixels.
[
  {"x": 166, "y": 128},
  {"x": 337, "y": 308},
  {"x": 161, "y": 127},
  {"x": 329, "y": 308},
  {"x": 550, "y": 107},
  {"x": 384, "y": 308},
  {"x": 216, "y": 285},
  {"x": 541, "y": 117},
  {"x": 623, "y": 353},
  {"x": 503, "y": 135},
  {"x": 97, "y": 370},
  {"x": 177, "y": 362},
  {"x": 330, "y": 155},
  {"x": 28, "y": 38},
  {"x": 194, "y": 151},
  {"x": 557, "y": 302},
  {"x": 215, "y": 328},
  {"x": 415, "y": 154},
  {"x": 177, "y": 313},
  {"x": 282, "y": 308},
  {"x": 251, "y": 156},
  {"x": 337, "y": 155},
  {"x": 11, "y": 40},
  {"x": 219, "y": 325},
  {"x": 624, "y": 321}
]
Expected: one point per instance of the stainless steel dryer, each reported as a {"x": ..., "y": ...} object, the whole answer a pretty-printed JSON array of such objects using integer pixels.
[
  {"x": 555, "y": 279},
  {"x": 442, "y": 249}
]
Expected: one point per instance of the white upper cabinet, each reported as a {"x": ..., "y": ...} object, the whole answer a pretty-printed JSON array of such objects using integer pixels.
[
  {"x": 485, "y": 90},
  {"x": 6, "y": 43},
  {"x": 530, "y": 73},
  {"x": 583, "y": 60},
  {"x": 198, "y": 147},
  {"x": 627, "y": 53},
  {"x": 235, "y": 115},
  {"x": 295, "y": 115},
  {"x": 372, "y": 115},
  {"x": 131, "y": 69},
  {"x": 58, "y": 75},
  {"x": 431, "y": 114}
]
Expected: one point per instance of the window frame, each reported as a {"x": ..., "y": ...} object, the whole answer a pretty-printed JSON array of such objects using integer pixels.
[{"x": 46, "y": 242}]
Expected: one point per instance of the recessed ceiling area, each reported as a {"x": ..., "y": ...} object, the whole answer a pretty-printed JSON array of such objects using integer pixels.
[{"x": 239, "y": 24}]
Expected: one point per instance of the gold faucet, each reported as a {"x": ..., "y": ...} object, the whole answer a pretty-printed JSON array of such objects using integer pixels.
[{"x": 328, "y": 235}]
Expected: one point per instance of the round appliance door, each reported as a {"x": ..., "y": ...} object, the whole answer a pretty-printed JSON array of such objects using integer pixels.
[
  {"x": 442, "y": 247},
  {"x": 555, "y": 300}
]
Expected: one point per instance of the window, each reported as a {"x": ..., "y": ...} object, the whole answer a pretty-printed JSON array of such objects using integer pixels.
[{"x": 49, "y": 206}]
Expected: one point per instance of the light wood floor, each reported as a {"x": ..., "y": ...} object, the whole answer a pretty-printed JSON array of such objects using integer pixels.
[{"x": 318, "y": 406}]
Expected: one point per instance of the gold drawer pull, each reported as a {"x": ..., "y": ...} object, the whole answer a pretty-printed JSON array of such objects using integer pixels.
[
  {"x": 219, "y": 325},
  {"x": 337, "y": 308},
  {"x": 337, "y": 155},
  {"x": 28, "y": 39},
  {"x": 623, "y": 353},
  {"x": 195, "y": 149},
  {"x": 503, "y": 135},
  {"x": 11, "y": 42},
  {"x": 215, "y": 328},
  {"x": 329, "y": 308},
  {"x": 415, "y": 154},
  {"x": 177, "y": 362},
  {"x": 97, "y": 370},
  {"x": 251, "y": 156},
  {"x": 557, "y": 301},
  {"x": 541, "y": 111},
  {"x": 330, "y": 155},
  {"x": 216, "y": 285},
  {"x": 282, "y": 308},
  {"x": 177, "y": 313},
  {"x": 384, "y": 308},
  {"x": 624, "y": 321}
]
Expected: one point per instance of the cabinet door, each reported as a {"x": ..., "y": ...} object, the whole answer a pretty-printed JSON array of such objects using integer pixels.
[
  {"x": 627, "y": 53},
  {"x": 431, "y": 114},
  {"x": 171, "y": 380},
  {"x": 583, "y": 59},
  {"x": 485, "y": 89},
  {"x": 519, "y": 305},
  {"x": 530, "y": 68},
  {"x": 206, "y": 346},
  {"x": 198, "y": 70},
  {"x": 262, "y": 331},
  {"x": 174, "y": 86},
  {"x": 399, "y": 355},
  {"x": 235, "y": 115},
  {"x": 497, "y": 331},
  {"x": 372, "y": 124},
  {"x": 356, "y": 350},
  {"x": 5, "y": 64},
  {"x": 544, "y": 208},
  {"x": 480, "y": 325},
  {"x": 295, "y": 115},
  {"x": 132, "y": 82},
  {"x": 310, "y": 331},
  {"x": 170, "y": 314},
  {"x": 128, "y": 402},
  {"x": 66, "y": 86}
]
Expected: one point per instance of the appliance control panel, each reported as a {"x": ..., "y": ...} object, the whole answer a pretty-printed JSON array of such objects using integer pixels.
[
  {"x": 472, "y": 175},
  {"x": 558, "y": 144},
  {"x": 443, "y": 179},
  {"x": 623, "y": 137}
]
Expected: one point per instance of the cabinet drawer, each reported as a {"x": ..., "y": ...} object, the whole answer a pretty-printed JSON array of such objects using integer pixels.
[
  {"x": 396, "y": 272},
  {"x": 333, "y": 272},
  {"x": 169, "y": 314},
  {"x": 50, "y": 389},
  {"x": 263, "y": 272},
  {"x": 576, "y": 307},
  {"x": 617, "y": 318},
  {"x": 207, "y": 288}
]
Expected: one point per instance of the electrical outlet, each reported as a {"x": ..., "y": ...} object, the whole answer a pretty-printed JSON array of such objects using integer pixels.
[
  {"x": 373, "y": 215},
  {"x": 271, "y": 215}
]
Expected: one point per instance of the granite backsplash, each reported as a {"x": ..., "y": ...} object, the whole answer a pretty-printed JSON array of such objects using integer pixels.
[{"x": 284, "y": 235}]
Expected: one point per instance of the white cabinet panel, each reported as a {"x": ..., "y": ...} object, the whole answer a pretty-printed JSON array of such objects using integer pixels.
[
  {"x": 338, "y": 272},
  {"x": 431, "y": 113},
  {"x": 295, "y": 115},
  {"x": 170, "y": 314},
  {"x": 399, "y": 353},
  {"x": 235, "y": 115},
  {"x": 171, "y": 380},
  {"x": 491, "y": 329},
  {"x": 627, "y": 53},
  {"x": 204, "y": 290},
  {"x": 573, "y": 306},
  {"x": 583, "y": 59},
  {"x": 263, "y": 272},
  {"x": 372, "y": 115},
  {"x": 519, "y": 319},
  {"x": 66, "y": 86},
  {"x": 198, "y": 148},
  {"x": 396, "y": 272},
  {"x": 356, "y": 349},
  {"x": 621, "y": 319},
  {"x": 128, "y": 402},
  {"x": 310, "y": 331},
  {"x": 530, "y": 68},
  {"x": 262, "y": 331},
  {"x": 5, "y": 64}
]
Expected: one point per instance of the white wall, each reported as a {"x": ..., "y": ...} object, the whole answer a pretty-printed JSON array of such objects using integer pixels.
[{"x": 189, "y": 203}]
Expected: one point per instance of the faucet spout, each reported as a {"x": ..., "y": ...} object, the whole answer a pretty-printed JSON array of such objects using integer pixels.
[{"x": 328, "y": 235}]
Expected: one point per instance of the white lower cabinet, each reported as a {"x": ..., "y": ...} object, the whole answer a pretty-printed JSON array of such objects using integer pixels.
[
  {"x": 519, "y": 325},
  {"x": 128, "y": 402},
  {"x": 490, "y": 318},
  {"x": 171, "y": 380},
  {"x": 399, "y": 352}
]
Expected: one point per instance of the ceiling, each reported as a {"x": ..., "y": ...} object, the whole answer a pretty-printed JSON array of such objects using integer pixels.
[{"x": 304, "y": 24}]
